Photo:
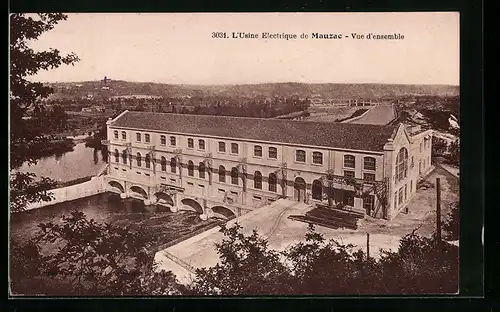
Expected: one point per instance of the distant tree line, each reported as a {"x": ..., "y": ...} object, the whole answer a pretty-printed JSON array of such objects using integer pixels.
[{"x": 257, "y": 106}]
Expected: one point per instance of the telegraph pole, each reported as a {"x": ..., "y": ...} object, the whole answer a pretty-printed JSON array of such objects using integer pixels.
[
  {"x": 367, "y": 246},
  {"x": 438, "y": 210}
]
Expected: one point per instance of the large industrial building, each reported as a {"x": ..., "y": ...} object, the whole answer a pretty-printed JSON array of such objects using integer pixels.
[{"x": 228, "y": 166}]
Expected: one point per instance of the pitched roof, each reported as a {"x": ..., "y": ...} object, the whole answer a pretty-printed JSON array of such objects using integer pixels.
[{"x": 326, "y": 134}]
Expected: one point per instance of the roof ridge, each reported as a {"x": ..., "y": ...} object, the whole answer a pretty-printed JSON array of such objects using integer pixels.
[{"x": 334, "y": 124}]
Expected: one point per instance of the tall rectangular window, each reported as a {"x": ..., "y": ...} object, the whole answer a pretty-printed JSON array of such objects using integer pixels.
[
  {"x": 124, "y": 135},
  {"x": 300, "y": 156},
  {"x": 163, "y": 140},
  {"x": 116, "y": 134},
  {"x": 138, "y": 137},
  {"x": 369, "y": 163},
  {"x": 368, "y": 202},
  {"x": 173, "y": 141},
  {"x": 190, "y": 143},
  {"x": 400, "y": 196},
  {"x": 349, "y": 161},
  {"x": 348, "y": 173},
  {"x": 273, "y": 152},
  {"x": 317, "y": 158},
  {"x": 222, "y": 147},
  {"x": 147, "y": 138},
  {"x": 234, "y": 148},
  {"x": 369, "y": 177},
  {"x": 257, "y": 151},
  {"x": 201, "y": 144}
]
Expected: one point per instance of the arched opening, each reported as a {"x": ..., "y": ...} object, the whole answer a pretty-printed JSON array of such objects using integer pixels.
[
  {"x": 191, "y": 204},
  {"x": 273, "y": 181},
  {"x": 190, "y": 168},
  {"x": 299, "y": 187},
  {"x": 116, "y": 187},
  {"x": 223, "y": 212},
  {"x": 139, "y": 159},
  {"x": 317, "y": 190},
  {"x": 402, "y": 164},
  {"x": 222, "y": 174},
  {"x": 201, "y": 170},
  {"x": 234, "y": 176},
  {"x": 349, "y": 161},
  {"x": 139, "y": 190},
  {"x": 148, "y": 161},
  {"x": 164, "y": 199},
  {"x": 163, "y": 162},
  {"x": 369, "y": 163},
  {"x": 173, "y": 165},
  {"x": 117, "y": 156},
  {"x": 124, "y": 156},
  {"x": 257, "y": 180}
]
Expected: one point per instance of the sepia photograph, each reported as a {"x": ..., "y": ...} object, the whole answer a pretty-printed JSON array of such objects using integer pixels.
[{"x": 234, "y": 154}]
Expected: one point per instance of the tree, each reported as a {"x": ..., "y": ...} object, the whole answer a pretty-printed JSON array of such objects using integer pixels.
[
  {"x": 452, "y": 224},
  {"x": 439, "y": 146},
  {"x": 247, "y": 267},
  {"x": 317, "y": 266},
  {"x": 454, "y": 153},
  {"x": 24, "y": 139},
  {"x": 58, "y": 118},
  {"x": 90, "y": 258}
]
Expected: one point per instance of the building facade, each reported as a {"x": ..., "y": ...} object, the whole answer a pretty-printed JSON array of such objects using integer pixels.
[{"x": 227, "y": 166}]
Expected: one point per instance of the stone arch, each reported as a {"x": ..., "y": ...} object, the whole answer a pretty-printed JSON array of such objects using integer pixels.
[
  {"x": 223, "y": 212},
  {"x": 191, "y": 204},
  {"x": 164, "y": 199},
  {"x": 299, "y": 187},
  {"x": 116, "y": 186},
  {"x": 317, "y": 190},
  {"x": 139, "y": 190}
]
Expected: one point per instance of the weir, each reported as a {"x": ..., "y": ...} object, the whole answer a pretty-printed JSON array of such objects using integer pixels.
[{"x": 93, "y": 187}]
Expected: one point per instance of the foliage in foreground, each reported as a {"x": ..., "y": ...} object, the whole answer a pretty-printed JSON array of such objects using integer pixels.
[
  {"x": 25, "y": 135},
  {"x": 100, "y": 259},
  {"x": 90, "y": 258},
  {"x": 452, "y": 224}
]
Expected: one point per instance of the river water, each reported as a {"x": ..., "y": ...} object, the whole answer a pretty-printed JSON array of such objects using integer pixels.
[
  {"x": 163, "y": 225},
  {"x": 79, "y": 163},
  {"x": 104, "y": 207}
]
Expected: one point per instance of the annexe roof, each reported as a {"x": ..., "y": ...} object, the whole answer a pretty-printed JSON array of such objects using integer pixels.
[{"x": 324, "y": 134}]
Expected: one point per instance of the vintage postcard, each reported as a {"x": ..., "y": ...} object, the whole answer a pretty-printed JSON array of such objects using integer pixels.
[{"x": 234, "y": 154}]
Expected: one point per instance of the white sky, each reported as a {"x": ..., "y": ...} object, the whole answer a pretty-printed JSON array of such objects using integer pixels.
[{"x": 178, "y": 48}]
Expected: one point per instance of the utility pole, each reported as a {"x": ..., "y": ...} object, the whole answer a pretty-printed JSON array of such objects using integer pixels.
[
  {"x": 367, "y": 246},
  {"x": 438, "y": 210}
]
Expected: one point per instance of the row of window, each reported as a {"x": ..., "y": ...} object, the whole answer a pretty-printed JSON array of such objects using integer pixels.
[
  {"x": 221, "y": 171},
  {"x": 369, "y": 165},
  {"x": 300, "y": 155}
]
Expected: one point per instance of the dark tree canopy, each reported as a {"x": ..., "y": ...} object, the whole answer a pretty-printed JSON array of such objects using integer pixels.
[{"x": 26, "y": 138}]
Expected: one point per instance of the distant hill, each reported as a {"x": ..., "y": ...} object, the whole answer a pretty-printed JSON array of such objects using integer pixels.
[{"x": 325, "y": 90}]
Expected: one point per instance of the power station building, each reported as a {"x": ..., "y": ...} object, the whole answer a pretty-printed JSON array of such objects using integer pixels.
[{"x": 227, "y": 166}]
